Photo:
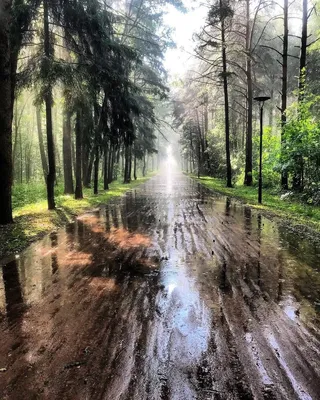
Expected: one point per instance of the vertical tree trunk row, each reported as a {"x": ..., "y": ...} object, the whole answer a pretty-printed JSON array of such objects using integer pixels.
[
  {"x": 67, "y": 153},
  {"x": 78, "y": 194},
  {"x": 226, "y": 100},
  {"x": 6, "y": 115},
  {"x": 48, "y": 105},
  {"x": 41, "y": 145},
  {"x": 284, "y": 173}
]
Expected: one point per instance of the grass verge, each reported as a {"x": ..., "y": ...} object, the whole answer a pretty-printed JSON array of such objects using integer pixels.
[
  {"x": 32, "y": 219},
  {"x": 272, "y": 203}
]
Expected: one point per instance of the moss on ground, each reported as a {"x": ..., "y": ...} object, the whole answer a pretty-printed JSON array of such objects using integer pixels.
[
  {"x": 33, "y": 220},
  {"x": 272, "y": 203}
]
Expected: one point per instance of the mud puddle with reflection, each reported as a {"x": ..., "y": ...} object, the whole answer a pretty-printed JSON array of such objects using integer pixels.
[{"x": 169, "y": 293}]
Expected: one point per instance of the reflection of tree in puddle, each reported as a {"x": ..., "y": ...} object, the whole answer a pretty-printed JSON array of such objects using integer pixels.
[
  {"x": 12, "y": 289},
  {"x": 93, "y": 278},
  {"x": 2, "y": 294}
]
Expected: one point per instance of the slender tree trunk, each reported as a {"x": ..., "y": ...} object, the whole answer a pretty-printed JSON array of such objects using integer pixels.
[
  {"x": 206, "y": 129},
  {"x": 271, "y": 109},
  {"x": 135, "y": 167},
  {"x": 56, "y": 148},
  {"x": 67, "y": 153},
  {"x": 284, "y": 173},
  {"x": 73, "y": 155},
  {"x": 130, "y": 163},
  {"x": 106, "y": 169},
  {"x": 21, "y": 157},
  {"x": 85, "y": 161},
  {"x": 303, "y": 50},
  {"x": 48, "y": 103},
  {"x": 113, "y": 158},
  {"x": 78, "y": 131},
  {"x": 117, "y": 161},
  {"x": 41, "y": 145},
  {"x": 125, "y": 172},
  {"x": 144, "y": 165},
  {"x": 87, "y": 179},
  {"x": 96, "y": 171},
  {"x": 226, "y": 101},
  {"x": 127, "y": 166},
  {"x": 109, "y": 161},
  {"x": 6, "y": 115},
  {"x": 248, "y": 168},
  {"x": 28, "y": 161},
  {"x": 297, "y": 182},
  {"x": 16, "y": 132}
]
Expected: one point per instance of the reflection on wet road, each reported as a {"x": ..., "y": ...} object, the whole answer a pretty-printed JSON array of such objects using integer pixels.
[{"x": 169, "y": 293}]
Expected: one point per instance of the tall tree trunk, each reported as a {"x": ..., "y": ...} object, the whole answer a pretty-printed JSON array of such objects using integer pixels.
[
  {"x": 144, "y": 165},
  {"x": 284, "y": 173},
  {"x": 303, "y": 50},
  {"x": 117, "y": 161},
  {"x": 200, "y": 145},
  {"x": 110, "y": 164},
  {"x": 41, "y": 145},
  {"x": 130, "y": 163},
  {"x": 113, "y": 158},
  {"x": 48, "y": 103},
  {"x": 87, "y": 178},
  {"x": 73, "y": 156},
  {"x": 226, "y": 100},
  {"x": 271, "y": 109},
  {"x": 297, "y": 181},
  {"x": 6, "y": 114},
  {"x": 206, "y": 129},
  {"x": 85, "y": 162},
  {"x": 78, "y": 131},
  {"x": 21, "y": 157},
  {"x": 67, "y": 153},
  {"x": 248, "y": 167},
  {"x": 135, "y": 167},
  {"x": 106, "y": 170},
  {"x": 96, "y": 170},
  {"x": 56, "y": 148},
  {"x": 15, "y": 145}
]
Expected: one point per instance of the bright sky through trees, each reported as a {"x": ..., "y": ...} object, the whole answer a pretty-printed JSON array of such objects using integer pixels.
[{"x": 184, "y": 26}]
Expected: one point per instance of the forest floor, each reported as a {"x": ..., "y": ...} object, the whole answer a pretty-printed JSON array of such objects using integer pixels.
[
  {"x": 170, "y": 292},
  {"x": 32, "y": 219},
  {"x": 272, "y": 203}
]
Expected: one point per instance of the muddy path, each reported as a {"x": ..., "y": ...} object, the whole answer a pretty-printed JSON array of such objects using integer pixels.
[{"x": 171, "y": 292}]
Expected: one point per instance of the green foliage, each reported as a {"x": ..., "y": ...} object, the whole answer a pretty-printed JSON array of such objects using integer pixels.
[
  {"x": 270, "y": 158},
  {"x": 302, "y": 145},
  {"x": 290, "y": 208}
]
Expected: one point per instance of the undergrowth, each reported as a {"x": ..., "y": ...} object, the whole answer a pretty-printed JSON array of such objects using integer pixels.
[{"x": 32, "y": 218}]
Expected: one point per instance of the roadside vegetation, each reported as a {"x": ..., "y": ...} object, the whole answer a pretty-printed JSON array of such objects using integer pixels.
[
  {"x": 32, "y": 219},
  {"x": 283, "y": 205},
  {"x": 246, "y": 51}
]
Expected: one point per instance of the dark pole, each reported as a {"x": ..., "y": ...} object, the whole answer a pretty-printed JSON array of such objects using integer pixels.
[
  {"x": 260, "y": 164},
  {"x": 261, "y": 100}
]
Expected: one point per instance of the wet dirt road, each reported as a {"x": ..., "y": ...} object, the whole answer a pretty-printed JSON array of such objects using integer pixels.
[{"x": 171, "y": 292}]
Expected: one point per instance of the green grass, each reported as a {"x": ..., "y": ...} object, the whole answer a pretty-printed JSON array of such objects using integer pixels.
[
  {"x": 295, "y": 210},
  {"x": 32, "y": 219}
]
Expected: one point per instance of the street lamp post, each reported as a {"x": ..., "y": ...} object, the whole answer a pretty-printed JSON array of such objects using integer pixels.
[{"x": 261, "y": 100}]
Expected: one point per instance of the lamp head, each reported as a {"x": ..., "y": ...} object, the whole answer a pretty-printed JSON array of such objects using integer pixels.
[{"x": 262, "y": 98}]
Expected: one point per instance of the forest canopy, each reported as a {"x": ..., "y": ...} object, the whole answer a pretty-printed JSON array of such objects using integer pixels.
[{"x": 86, "y": 97}]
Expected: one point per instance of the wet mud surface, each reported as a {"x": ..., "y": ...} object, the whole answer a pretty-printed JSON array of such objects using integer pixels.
[{"x": 171, "y": 292}]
